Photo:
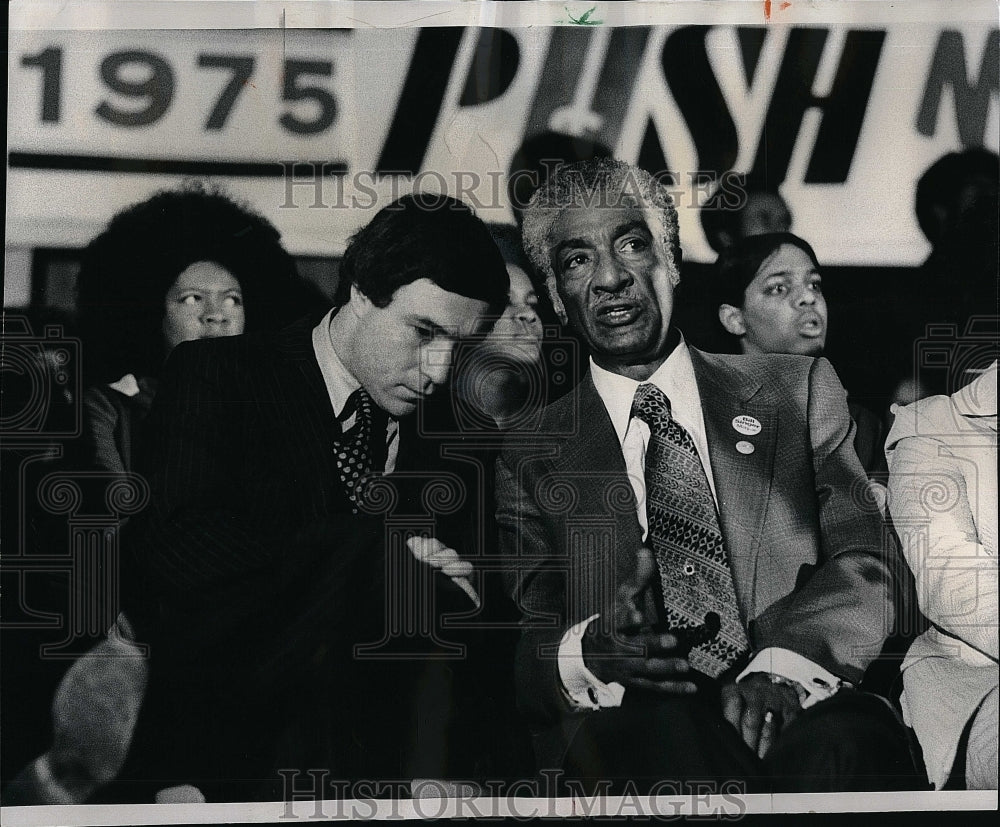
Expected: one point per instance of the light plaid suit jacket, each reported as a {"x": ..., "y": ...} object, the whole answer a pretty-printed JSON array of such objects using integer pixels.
[{"x": 805, "y": 537}]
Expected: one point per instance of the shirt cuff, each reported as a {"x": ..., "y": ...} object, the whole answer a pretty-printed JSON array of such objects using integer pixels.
[
  {"x": 581, "y": 686},
  {"x": 817, "y": 683}
]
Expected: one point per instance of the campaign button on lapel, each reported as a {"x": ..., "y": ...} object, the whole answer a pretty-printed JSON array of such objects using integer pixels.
[
  {"x": 748, "y": 425},
  {"x": 744, "y": 447}
]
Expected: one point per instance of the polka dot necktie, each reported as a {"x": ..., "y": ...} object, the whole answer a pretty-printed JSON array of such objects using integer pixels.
[
  {"x": 685, "y": 535},
  {"x": 353, "y": 449}
]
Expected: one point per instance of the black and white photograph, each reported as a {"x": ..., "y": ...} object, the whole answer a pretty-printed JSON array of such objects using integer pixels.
[{"x": 499, "y": 410}]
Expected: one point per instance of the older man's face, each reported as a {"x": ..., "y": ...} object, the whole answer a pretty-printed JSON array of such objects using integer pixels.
[{"x": 613, "y": 277}]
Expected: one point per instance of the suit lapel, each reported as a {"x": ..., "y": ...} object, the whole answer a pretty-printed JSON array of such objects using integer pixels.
[
  {"x": 298, "y": 371},
  {"x": 742, "y": 480},
  {"x": 591, "y": 459},
  {"x": 311, "y": 428}
]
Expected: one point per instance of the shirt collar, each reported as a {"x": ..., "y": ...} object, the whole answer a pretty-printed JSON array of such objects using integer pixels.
[
  {"x": 675, "y": 377},
  {"x": 340, "y": 382},
  {"x": 128, "y": 385}
]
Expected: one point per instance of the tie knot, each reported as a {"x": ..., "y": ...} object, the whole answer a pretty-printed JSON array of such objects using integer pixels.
[
  {"x": 650, "y": 404},
  {"x": 359, "y": 402}
]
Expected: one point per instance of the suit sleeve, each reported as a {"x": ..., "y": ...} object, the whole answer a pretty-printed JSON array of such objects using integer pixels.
[
  {"x": 841, "y": 616},
  {"x": 100, "y": 422},
  {"x": 537, "y": 587},
  {"x": 218, "y": 579}
]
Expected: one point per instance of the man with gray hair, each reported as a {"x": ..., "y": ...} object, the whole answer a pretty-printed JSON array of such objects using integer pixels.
[{"x": 700, "y": 572}]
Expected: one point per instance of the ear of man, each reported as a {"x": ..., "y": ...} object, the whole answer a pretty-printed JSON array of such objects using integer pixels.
[
  {"x": 732, "y": 319},
  {"x": 359, "y": 303},
  {"x": 552, "y": 286}
]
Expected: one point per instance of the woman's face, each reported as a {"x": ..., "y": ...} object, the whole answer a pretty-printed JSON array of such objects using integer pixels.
[
  {"x": 518, "y": 332},
  {"x": 204, "y": 302},
  {"x": 783, "y": 307}
]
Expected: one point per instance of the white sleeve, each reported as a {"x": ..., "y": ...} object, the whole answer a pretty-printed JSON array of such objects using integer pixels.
[
  {"x": 817, "y": 683},
  {"x": 581, "y": 686}
]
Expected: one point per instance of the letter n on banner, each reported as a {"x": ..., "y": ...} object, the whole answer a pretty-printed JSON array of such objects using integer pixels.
[{"x": 972, "y": 101}]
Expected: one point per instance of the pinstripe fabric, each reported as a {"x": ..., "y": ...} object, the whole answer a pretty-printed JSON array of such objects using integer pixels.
[
  {"x": 249, "y": 529},
  {"x": 252, "y": 579}
]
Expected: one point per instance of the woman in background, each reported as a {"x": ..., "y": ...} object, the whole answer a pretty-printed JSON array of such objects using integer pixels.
[
  {"x": 185, "y": 264},
  {"x": 501, "y": 380}
]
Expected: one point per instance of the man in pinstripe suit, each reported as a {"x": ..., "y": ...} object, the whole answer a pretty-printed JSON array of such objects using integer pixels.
[
  {"x": 259, "y": 564},
  {"x": 771, "y": 540}
]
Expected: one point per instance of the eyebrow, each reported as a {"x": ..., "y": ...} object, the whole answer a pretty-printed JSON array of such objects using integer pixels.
[
  {"x": 196, "y": 289},
  {"x": 786, "y": 273},
  {"x": 629, "y": 226},
  {"x": 618, "y": 232},
  {"x": 423, "y": 321}
]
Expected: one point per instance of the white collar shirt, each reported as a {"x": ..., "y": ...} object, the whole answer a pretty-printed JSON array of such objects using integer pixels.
[
  {"x": 340, "y": 384},
  {"x": 675, "y": 377}
]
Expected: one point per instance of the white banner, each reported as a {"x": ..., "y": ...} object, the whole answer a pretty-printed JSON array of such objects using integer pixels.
[{"x": 842, "y": 111}]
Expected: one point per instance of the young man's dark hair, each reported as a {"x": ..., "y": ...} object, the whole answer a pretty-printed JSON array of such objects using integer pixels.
[{"x": 424, "y": 235}]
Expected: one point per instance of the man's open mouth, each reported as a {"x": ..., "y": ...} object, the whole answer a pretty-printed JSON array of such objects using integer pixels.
[{"x": 618, "y": 313}]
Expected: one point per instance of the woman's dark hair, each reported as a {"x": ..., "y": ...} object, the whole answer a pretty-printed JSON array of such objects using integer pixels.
[
  {"x": 721, "y": 214},
  {"x": 564, "y": 352},
  {"x": 127, "y": 270},
  {"x": 424, "y": 235},
  {"x": 738, "y": 265},
  {"x": 508, "y": 239}
]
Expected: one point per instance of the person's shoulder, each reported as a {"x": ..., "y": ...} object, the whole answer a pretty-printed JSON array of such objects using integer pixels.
[
  {"x": 113, "y": 400},
  {"x": 565, "y": 404},
  {"x": 248, "y": 350},
  {"x": 766, "y": 368},
  {"x": 558, "y": 421},
  {"x": 570, "y": 411},
  {"x": 209, "y": 350},
  {"x": 933, "y": 417}
]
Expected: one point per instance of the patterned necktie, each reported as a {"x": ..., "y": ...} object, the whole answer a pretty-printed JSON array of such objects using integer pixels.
[
  {"x": 685, "y": 536},
  {"x": 353, "y": 447}
]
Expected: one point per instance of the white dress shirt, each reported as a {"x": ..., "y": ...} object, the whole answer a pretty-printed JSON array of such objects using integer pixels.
[
  {"x": 340, "y": 384},
  {"x": 675, "y": 377}
]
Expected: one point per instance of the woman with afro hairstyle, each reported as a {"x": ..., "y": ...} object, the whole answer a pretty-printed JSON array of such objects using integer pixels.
[{"x": 184, "y": 264}]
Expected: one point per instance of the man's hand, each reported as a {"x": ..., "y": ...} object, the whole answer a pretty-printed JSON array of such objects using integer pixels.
[
  {"x": 632, "y": 654},
  {"x": 759, "y": 709},
  {"x": 437, "y": 555}
]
